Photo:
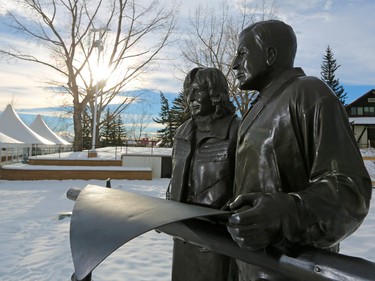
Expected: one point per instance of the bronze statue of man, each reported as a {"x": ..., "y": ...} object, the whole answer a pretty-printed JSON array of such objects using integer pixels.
[
  {"x": 203, "y": 168},
  {"x": 299, "y": 177}
]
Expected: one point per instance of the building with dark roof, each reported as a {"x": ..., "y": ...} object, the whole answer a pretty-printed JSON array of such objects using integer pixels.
[{"x": 361, "y": 113}]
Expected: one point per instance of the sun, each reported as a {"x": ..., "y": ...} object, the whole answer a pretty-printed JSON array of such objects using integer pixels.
[{"x": 102, "y": 73}]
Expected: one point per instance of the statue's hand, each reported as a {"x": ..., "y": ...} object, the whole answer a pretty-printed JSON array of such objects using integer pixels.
[{"x": 256, "y": 222}]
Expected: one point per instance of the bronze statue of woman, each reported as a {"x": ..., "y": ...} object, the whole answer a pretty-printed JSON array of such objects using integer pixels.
[{"x": 203, "y": 168}]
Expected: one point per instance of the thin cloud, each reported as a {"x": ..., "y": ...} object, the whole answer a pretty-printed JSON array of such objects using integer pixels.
[{"x": 347, "y": 26}]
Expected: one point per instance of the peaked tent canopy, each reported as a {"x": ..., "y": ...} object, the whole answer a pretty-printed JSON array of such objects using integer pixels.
[
  {"x": 12, "y": 125},
  {"x": 41, "y": 128},
  {"x": 4, "y": 139}
]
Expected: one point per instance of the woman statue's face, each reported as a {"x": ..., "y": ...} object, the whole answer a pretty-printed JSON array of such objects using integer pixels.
[{"x": 199, "y": 101}]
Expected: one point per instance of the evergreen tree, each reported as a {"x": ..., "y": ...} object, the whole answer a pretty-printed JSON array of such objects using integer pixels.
[
  {"x": 86, "y": 130},
  {"x": 107, "y": 133},
  {"x": 119, "y": 132},
  {"x": 165, "y": 134},
  {"x": 179, "y": 111},
  {"x": 329, "y": 66},
  {"x": 172, "y": 118},
  {"x": 112, "y": 132}
]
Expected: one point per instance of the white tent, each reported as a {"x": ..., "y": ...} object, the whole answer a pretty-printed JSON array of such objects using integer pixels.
[
  {"x": 9, "y": 148},
  {"x": 12, "y": 126},
  {"x": 4, "y": 139},
  {"x": 41, "y": 128}
]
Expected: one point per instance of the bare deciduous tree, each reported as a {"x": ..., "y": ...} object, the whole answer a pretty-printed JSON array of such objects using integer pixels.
[
  {"x": 73, "y": 31},
  {"x": 212, "y": 39},
  {"x": 138, "y": 124}
]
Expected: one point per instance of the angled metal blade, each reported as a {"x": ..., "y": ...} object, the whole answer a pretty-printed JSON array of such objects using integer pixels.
[{"x": 104, "y": 219}]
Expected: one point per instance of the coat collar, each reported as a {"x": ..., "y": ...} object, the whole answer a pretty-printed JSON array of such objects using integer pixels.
[
  {"x": 268, "y": 92},
  {"x": 220, "y": 128},
  {"x": 265, "y": 96}
]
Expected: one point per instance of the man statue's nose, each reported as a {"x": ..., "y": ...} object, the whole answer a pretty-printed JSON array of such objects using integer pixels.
[{"x": 235, "y": 64}]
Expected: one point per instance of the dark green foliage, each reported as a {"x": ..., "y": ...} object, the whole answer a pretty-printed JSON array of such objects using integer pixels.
[
  {"x": 112, "y": 132},
  {"x": 171, "y": 118},
  {"x": 179, "y": 111},
  {"x": 164, "y": 134},
  {"x": 329, "y": 66},
  {"x": 86, "y": 130},
  {"x": 119, "y": 132},
  {"x": 107, "y": 130}
]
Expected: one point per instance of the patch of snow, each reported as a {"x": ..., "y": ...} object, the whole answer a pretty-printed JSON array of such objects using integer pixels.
[
  {"x": 35, "y": 244},
  {"x": 368, "y": 152},
  {"x": 108, "y": 153},
  {"x": 21, "y": 166}
]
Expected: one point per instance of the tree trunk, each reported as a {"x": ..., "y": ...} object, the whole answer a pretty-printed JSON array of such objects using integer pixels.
[{"x": 77, "y": 122}]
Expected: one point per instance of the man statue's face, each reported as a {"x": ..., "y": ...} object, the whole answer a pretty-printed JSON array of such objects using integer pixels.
[
  {"x": 199, "y": 101},
  {"x": 250, "y": 62}
]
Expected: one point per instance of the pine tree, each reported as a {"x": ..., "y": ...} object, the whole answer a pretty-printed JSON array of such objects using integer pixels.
[
  {"x": 107, "y": 130},
  {"x": 171, "y": 118},
  {"x": 165, "y": 134},
  {"x": 112, "y": 132},
  {"x": 329, "y": 66},
  {"x": 86, "y": 130},
  {"x": 179, "y": 111},
  {"x": 119, "y": 132}
]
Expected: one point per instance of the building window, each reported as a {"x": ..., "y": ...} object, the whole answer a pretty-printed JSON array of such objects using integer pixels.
[
  {"x": 369, "y": 110},
  {"x": 360, "y": 111}
]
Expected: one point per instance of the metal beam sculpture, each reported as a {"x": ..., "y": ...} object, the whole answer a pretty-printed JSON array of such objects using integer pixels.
[{"x": 105, "y": 219}]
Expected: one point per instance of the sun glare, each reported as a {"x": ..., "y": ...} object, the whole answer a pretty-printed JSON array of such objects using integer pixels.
[{"x": 102, "y": 73}]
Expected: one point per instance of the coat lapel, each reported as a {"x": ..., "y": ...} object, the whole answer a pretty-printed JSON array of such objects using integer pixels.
[{"x": 264, "y": 97}]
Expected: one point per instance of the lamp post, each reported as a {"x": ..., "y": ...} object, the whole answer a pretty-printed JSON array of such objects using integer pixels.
[{"x": 96, "y": 44}]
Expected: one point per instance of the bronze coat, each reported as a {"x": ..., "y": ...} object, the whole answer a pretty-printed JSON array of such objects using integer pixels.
[
  {"x": 297, "y": 139},
  {"x": 212, "y": 164}
]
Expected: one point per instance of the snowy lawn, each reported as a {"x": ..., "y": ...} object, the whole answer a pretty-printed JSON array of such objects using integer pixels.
[{"x": 35, "y": 245}]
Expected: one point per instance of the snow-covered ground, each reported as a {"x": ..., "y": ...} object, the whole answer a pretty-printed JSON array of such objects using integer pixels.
[
  {"x": 34, "y": 243},
  {"x": 108, "y": 153}
]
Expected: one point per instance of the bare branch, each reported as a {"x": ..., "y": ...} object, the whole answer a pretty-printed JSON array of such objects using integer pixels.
[
  {"x": 64, "y": 28},
  {"x": 212, "y": 40}
]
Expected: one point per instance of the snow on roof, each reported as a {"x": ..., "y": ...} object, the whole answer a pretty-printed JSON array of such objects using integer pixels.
[
  {"x": 362, "y": 120},
  {"x": 12, "y": 126},
  {"x": 41, "y": 128}
]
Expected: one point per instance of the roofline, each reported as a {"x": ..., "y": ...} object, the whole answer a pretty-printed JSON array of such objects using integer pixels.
[{"x": 361, "y": 97}]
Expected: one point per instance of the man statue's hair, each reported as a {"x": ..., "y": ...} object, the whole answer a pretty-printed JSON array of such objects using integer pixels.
[{"x": 277, "y": 34}]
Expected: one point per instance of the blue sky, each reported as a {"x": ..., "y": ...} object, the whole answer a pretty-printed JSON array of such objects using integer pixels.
[{"x": 347, "y": 26}]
